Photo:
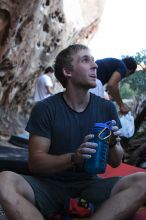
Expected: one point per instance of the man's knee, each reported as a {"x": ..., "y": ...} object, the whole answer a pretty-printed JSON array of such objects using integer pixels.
[
  {"x": 12, "y": 183},
  {"x": 136, "y": 181},
  {"x": 7, "y": 177},
  {"x": 139, "y": 181},
  {"x": 7, "y": 181}
]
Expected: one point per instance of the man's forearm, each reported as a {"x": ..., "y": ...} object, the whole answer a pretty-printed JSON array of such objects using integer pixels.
[
  {"x": 45, "y": 164},
  {"x": 115, "y": 94}
]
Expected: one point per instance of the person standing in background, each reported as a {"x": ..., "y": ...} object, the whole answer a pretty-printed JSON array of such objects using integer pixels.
[
  {"x": 44, "y": 85},
  {"x": 110, "y": 71}
]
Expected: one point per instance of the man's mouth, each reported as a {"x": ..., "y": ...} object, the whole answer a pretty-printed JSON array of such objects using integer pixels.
[{"x": 93, "y": 76}]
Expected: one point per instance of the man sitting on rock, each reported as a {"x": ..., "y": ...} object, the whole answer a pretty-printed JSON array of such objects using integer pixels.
[{"x": 59, "y": 144}]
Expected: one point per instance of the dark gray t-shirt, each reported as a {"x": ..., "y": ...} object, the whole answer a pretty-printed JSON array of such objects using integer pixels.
[{"x": 54, "y": 119}]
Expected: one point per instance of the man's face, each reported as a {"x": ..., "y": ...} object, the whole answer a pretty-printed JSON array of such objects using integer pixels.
[{"x": 84, "y": 69}]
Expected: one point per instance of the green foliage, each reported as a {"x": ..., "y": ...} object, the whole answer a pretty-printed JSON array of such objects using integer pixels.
[
  {"x": 140, "y": 56},
  {"x": 136, "y": 83},
  {"x": 127, "y": 92}
]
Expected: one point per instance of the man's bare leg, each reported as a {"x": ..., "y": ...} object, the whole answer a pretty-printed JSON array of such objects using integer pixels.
[
  {"x": 17, "y": 197},
  {"x": 126, "y": 197}
]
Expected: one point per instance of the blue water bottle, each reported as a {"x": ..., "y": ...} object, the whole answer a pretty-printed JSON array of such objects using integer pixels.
[{"x": 97, "y": 162}]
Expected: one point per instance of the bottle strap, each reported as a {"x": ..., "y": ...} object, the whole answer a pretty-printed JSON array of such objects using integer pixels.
[{"x": 102, "y": 131}]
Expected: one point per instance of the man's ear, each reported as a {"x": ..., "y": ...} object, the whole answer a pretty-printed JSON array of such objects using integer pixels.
[
  {"x": 67, "y": 73},
  {"x": 129, "y": 72}
]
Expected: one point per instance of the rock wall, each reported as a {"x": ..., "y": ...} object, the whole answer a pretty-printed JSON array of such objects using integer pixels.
[{"x": 39, "y": 30}]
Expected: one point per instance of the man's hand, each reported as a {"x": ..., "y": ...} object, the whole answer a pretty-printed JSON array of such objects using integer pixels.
[
  {"x": 124, "y": 109},
  {"x": 85, "y": 150},
  {"x": 115, "y": 153},
  {"x": 115, "y": 137}
]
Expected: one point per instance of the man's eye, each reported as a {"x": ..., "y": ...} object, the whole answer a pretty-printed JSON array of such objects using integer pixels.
[{"x": 86, "y": 60}]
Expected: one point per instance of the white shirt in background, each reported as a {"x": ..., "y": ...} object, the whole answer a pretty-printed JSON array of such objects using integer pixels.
[
  {"x": 41, "y": 87},
  {"x": 99, "y": 89}
]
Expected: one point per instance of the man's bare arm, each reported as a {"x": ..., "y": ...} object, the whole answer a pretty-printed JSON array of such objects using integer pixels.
[
  {"x": 50, "y": 89},
  {"x": 113, "y": 90},
  {"x": 43, "y": 163}
]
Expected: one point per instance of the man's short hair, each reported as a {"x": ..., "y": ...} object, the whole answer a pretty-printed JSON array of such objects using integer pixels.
[
  {"x": 130, "y": 63},
  {"x": 49, "y": 69},
  {"x": 64, "y": 60}
]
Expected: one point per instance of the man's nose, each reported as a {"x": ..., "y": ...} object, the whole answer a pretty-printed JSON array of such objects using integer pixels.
[{"x": 95, "y": 65}]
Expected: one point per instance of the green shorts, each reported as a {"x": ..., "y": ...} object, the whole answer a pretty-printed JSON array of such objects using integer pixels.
[{"x": 53, "y": 196}]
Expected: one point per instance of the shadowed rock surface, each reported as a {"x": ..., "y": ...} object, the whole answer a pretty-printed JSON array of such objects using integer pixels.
[{"x": 39, "y": 30}]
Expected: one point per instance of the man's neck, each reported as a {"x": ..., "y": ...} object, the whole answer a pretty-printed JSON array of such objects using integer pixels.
[{"x": 77, "y": 100}]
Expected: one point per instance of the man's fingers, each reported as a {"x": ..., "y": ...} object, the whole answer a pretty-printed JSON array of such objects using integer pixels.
[
  {"x": 86, "y": 156},
  {"x": 116, "y": 131},
  {"x": 88, "y": 137},
  {"x": 115, "y": 128},
  {"x": 86, "y": 150},
  {"x": 88, "y": 145},
  {"x": 113, "y": 122}
]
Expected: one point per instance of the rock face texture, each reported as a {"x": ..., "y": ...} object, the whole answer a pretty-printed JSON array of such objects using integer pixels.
[{"x": 39, "y": 30}]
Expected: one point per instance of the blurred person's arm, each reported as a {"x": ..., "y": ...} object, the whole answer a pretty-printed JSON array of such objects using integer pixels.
[
  {"x": 50, "y": 86},
  {"x": 113, "y": 90}
]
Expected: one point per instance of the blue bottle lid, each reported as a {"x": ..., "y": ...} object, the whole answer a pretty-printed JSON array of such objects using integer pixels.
[{"x": 107, "y": 124}]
